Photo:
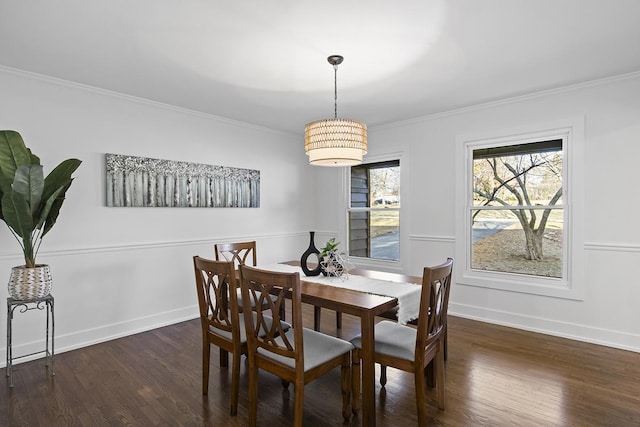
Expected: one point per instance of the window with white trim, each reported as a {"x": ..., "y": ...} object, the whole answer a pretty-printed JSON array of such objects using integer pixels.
[
  {"x": 374, "y": 211},
  {"x": 519, "y": 211}
]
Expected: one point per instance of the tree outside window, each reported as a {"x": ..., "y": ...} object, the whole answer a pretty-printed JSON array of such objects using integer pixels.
[{"x": 517, "y": 213}]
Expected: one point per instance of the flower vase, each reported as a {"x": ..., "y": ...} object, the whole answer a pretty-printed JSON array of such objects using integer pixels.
[{"x": 304, "y": 260}]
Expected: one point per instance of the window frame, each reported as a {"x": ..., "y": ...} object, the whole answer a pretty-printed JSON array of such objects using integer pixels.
[
  {"x": 570, "y": 285},
  {"x": 367, "y": 261}
]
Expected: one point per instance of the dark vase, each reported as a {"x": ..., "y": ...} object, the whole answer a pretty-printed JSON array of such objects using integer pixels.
[{"x": 305, "y": 257}]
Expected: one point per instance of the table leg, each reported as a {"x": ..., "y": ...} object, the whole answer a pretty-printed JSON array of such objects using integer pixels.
[
  {"x": 316, "y": 318},
  {"x": 368, "y": 371}
]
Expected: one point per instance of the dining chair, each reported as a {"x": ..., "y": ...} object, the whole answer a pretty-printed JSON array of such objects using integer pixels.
[
  {"x": 412, "y": 349},
  {"x": 240, "y": 253},
  {"x": 297, "y": 356},
  {"x": 393, "y": 315},
  {"x": 220, "y": 320}
]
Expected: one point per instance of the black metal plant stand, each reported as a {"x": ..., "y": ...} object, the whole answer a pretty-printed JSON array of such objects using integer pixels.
[{"x": 23, "y": 306}]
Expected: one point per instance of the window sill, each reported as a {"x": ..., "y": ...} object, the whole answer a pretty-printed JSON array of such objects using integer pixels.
[{"x": 543, "y": 286}]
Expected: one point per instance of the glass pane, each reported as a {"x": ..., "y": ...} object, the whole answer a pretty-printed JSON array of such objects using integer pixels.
[
  {"x": 524, "y": 179},
  {"x": 359, "y": 242},
  {"x": 375, "y": 234},
  {"x": 385, "y": 187},
  {"x": 500, "y": 243},
  {"x": 385, "y": 235}
]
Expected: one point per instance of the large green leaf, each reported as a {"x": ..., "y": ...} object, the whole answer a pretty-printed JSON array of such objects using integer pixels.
[
  {"x": 17, "y": 214},
  {"x": 50, "y": 209},
  {"x": 29, "y": 183},
  {"x": 35, "y": 160},
  {"x": 13, "y": 153},
  {"x": 59, "y": 177}
]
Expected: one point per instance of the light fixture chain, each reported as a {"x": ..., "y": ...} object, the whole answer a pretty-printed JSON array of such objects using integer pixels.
[{"x": 335, "y": 91}]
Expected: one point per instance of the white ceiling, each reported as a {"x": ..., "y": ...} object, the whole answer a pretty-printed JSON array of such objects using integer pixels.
[{"x": 264, "y": 62}]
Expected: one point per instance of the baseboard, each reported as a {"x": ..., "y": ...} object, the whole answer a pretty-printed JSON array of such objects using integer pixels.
[
  {"x": 600, "y": 336},
  {"x": 104, "y": 333},
  {"x": 87, "y": 337}
]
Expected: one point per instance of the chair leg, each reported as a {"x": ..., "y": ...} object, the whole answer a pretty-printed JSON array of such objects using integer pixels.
[
  {"x": 224, "y": 358},
  {"x": 339, "y": 319},
  {"x": 421, "y": 396},
  {"x": 206, "y": 353},
  {"x": 383, "y": 375},
  {"x": 285, "y": 384},
  {"x": 440, "y": 379},
  {"x": 298, "y": 405},
  {"x": 235, "y": 382},
  {"x": 429, "y": 372},
  {"x": 345, "y": 382},
  {"x": 282, "y": 311},
  {"x": 253, "y": 394},
  {"x": 355, "y": 381},
  {"x": 445, "y": 343}
]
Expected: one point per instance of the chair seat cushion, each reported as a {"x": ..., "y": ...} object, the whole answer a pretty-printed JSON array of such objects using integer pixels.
[
  {"x": 393, "y": 340},
  {"x": 318, "y": 348},
  {"x": 243, "y": 331}
]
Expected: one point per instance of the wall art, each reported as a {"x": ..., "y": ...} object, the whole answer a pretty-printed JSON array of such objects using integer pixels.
[{"x": 145, "y": 182}]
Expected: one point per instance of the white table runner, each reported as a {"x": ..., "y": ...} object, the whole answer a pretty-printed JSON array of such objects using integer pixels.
[{"x": 407, "y": 294}]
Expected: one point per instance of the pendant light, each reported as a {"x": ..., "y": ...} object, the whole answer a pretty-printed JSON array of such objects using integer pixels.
[{"x": 335, "y": 142}]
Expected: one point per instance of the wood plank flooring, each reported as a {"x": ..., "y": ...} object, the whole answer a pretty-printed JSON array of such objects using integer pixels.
[{"x": 496, "y": 376}]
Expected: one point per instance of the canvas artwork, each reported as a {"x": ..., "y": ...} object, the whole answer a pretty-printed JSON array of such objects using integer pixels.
[{"x": 145, "y": 182}]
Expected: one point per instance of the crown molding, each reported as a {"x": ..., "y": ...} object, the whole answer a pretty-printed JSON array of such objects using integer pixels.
[
  {"x": 142, "y": 101},
  {"x": 511, "y": 100}
]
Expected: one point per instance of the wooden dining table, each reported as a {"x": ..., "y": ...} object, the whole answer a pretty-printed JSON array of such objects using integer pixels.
[{"x": 365, "y": 306}]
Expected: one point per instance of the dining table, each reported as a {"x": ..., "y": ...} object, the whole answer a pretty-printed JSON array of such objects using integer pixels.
[{"x": 364, "y": 305}]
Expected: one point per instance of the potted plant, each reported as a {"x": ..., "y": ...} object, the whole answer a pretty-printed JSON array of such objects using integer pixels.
[
  {"x": 29, "y": 205},
  {"x": 328, "y": 257}
]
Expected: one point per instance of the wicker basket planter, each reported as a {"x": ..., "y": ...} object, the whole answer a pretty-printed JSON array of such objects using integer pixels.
[{"x": 30, "y": 283}]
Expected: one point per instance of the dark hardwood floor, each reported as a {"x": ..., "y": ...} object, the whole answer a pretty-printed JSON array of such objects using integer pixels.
[{"x": 496, "y": 376}]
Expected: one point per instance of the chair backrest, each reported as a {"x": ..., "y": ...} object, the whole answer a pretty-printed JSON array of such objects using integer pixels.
[
  {"x": 434, "y": 302},
  {"x": 217, "y": 296},
  {"x": 259, "y": 284},
  {"x": 239, "y": 253}
]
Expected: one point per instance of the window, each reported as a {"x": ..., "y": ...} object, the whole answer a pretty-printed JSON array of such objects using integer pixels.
[
  {"x": 374, "y": 211},
  {"x": 519, "y": 210},
  {"x": 516, "y": 212}
]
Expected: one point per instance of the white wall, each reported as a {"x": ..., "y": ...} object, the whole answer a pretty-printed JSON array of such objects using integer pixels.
[
  {"x": 608, "y": 313},
  {"x": 121, "y": 270}
]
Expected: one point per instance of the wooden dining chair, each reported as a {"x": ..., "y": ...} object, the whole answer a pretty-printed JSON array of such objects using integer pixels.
[
  {"x": 220, "y": 320},
  {"x": 240, "y": 253},
  {"x": 413, "y": 349},
  {"x": 297, "y": 356}
]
